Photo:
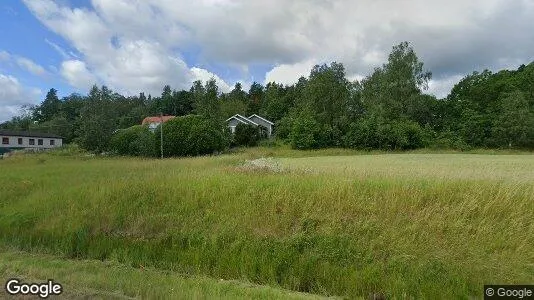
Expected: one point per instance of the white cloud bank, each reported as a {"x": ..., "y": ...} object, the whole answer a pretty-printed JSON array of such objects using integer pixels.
[
  {"x": 13, "y": 95},
  {"x": 137, "y": 45}
]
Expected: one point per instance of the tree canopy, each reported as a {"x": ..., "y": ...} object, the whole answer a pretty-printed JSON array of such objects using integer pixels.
[{"x": 388, "y": 109}]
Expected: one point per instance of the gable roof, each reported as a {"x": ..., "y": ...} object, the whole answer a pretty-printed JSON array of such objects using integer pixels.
[
  {"x": 255, "y": 115},
  {"x": 242, "y": 119},
  {"x": 29, "y": 134},
  {"x": 149, "y": 120}
]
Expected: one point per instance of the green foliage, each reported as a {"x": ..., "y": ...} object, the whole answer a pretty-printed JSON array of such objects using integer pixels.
[
  {"x": 57, "y": 125},
  {"x": 192, "y": 135},
  {"x": 375, "y": 133},
  {"x": 306, "y": 132},
  {"x": 134, "y": 141},
  {"x": 283, "y": 127},
  {"x": 234, "y": 103},
  {"x": 515, "y": 125},
  {"x": 485, "y": 109},
  {"x": 246, "y": 135},
  {"x": 50, "y": 107},
  {"x": 256, "y": 94},
  {"x": 277, "y": 102},
  {"x": 96, "y": 121},
  {"x": 449, "y": 140},
  {"x": 112, "y": 280},
  {"x": 206, "y": 100},
  {"x": 391, "y": 88}
]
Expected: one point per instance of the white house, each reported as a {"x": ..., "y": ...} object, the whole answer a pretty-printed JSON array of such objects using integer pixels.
[
  {"x": 28, "y": 140},
  {"x": 254, "y": 120},
  {"x": 268, "y": 125}
]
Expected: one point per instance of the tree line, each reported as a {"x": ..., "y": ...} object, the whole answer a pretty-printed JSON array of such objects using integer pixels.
[{"x": 387, "y": 110}]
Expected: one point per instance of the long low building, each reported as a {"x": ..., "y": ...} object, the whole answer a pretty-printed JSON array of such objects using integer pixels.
[{"x": 29, "y": 140}]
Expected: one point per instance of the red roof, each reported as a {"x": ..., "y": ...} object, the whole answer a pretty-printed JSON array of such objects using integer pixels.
[{"x": 149, "y": 120}]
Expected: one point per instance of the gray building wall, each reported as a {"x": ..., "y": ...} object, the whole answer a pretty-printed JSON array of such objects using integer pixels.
[
  {"x": 262, "y": 123},
  {"x": 232, "y": 123},
  {"x": 14, "y": 142}
]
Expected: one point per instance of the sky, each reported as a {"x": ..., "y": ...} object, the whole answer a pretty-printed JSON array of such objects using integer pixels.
[{"x": 137, "y": 46}]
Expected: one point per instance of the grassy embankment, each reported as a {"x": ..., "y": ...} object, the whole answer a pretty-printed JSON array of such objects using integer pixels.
[
  {"x": 417, "y": 225},
  {"x": 84, "y": 279}
]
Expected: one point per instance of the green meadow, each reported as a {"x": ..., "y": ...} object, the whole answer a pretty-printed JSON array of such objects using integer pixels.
[{"x": 265, "y": 221}]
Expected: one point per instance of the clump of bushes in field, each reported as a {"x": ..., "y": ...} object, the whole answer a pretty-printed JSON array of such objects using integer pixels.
[
  {"x": 183, "y": 136},
  {"x": 136, "y": 141},
  {"x": 246, "y": 135},
  {"x": 393, "y": 135},
  {"x": 192, "y": 135}
]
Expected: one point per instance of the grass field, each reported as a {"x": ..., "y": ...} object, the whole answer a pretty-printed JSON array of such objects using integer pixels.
[
  {"x": 111, "y": 280},
  {"x": 332, "y": 222}
]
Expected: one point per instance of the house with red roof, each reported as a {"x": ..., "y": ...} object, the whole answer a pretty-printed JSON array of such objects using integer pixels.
[{"x": 154, "y": 122}]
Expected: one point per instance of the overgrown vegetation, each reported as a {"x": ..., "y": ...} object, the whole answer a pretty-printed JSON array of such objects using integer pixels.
[
  {"x": 111, "y": 280},
  {"x": 192, "y": 135},
  {"x": 387, "y": 110},
  {"x": 135, "y": 141},
  {"x": 246, "y": 135},
  {"x": 399, "y": 225}
]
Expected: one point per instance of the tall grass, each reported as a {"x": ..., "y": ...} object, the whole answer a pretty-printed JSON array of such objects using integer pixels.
[
  {"x": 89, "y": 279},
  {"x": 403, "y": 225}
]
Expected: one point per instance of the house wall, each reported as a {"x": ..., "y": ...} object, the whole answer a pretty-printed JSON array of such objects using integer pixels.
[
  {"x": 153, "y": 126},
  {"x": 262, "y": 123},
  {"x": 232, "y": 124},
  {"x": 14, "y": 142}
]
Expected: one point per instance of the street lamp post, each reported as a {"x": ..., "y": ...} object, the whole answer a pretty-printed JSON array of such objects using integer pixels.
[{"x": 161, "y": 135}]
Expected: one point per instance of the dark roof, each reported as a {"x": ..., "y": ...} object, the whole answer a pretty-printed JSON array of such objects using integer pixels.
[{"x": 29, "y": 134}]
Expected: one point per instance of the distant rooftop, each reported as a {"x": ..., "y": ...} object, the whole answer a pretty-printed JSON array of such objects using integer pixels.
[
  {"x": 29, "y": 134},
  {"x": 149, "y": 120}
]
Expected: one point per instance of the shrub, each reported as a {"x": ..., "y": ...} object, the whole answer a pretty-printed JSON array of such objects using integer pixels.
[
  {"x": 192, "y": 135},
  {"x": 371, "y": 133},
  {"x": 449, "y": 140},
  {"x": 306, "y": 133},
  {"x": 283, "y": 128},
  {"x": 136, "y": 141},
  {"x": 246, "y": 135}
]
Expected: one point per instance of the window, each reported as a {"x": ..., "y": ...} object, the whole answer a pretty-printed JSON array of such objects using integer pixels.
[
  {"x": 52, "y": 142},
  {"x": 5, "y": 141},
  {"x": 40, "y": 142},
  {"x": 32, "y": 142},
  {"x": 20, "y": 141}
]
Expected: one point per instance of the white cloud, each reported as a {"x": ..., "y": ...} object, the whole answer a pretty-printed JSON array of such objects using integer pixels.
[
  {"x": 58, "y": 49},
  {"x": 289, "y": 74},
  {"x": 13, "y": 95},
  {"x": 30, "y": 66},
  {"x": 23, "y": 62},
  {"x": 127, "y": 62},
  {"x": 204, "y": 75},
  {"x": 77, "y": 74},
  {"x": 4, "y": 56},
  {"x": 451, "y": 37},
  {"x": 442, "y": 86}
]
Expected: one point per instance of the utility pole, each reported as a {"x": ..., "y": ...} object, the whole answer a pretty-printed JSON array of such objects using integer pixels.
[{"x": 161, "y": 134}]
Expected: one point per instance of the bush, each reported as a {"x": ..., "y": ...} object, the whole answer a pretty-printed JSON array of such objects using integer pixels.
[
  {"x": 449, "y": 140},
  {"x": 136, "y": 141},
  {"x": 246, "y": 135},
  {"x": 283, "y": 128},
  {"x": 371, "y": 133},
  {"x": 306, "y": 133},
  {"x": 192, "y": 135}
]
